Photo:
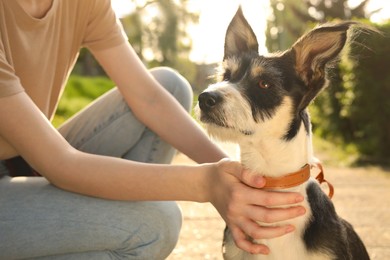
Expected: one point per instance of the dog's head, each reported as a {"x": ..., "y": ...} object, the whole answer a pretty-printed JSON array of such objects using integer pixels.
[{"x": 268, "y": 94}]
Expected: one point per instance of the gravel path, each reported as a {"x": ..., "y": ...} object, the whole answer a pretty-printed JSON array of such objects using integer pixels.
[{"x": 362, "y": 196}]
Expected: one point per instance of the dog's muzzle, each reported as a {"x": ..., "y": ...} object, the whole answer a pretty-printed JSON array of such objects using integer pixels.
[
  {"x": 209, "y": 100},
  {"x": 212, "y": 112}
]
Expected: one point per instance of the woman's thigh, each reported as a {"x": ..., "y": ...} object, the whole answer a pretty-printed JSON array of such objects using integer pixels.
[{"x": 38, "y": 219}]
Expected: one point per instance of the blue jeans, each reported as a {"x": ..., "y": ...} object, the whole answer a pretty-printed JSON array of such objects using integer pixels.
[{"x": 40, "y": 221}]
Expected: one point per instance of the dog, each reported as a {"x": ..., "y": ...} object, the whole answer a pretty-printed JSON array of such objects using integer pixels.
[{"x": 260, "y": 102}]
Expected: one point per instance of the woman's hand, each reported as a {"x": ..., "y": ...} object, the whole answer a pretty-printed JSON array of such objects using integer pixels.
[{"x": 235, "y": 193}]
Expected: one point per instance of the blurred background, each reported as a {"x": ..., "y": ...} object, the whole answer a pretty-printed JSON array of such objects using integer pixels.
[{"x": 351, "y": 118}]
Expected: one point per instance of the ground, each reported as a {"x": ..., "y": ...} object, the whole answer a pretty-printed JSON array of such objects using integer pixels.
[{"x": 362, "y": 196}]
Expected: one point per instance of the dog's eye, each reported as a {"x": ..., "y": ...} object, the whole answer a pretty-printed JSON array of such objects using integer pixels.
[{"x": 264, "y": 84}]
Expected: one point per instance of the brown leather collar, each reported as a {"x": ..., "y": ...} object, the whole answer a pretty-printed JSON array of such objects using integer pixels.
[
  {"x": 321, "y": 179},
  {"x": 289, "y": 180},
  {"x": 297, "y": 178}
]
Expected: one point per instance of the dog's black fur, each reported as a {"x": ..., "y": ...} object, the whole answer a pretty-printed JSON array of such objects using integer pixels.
[
  {"x": 328, "y": 232},
  {"x": 265, "y": 83}
]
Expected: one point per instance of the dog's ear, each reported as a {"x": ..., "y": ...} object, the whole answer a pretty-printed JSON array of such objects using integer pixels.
[
  {"x": 239, "y": 36},
  {"x": 313, "y": 52},
  {"x": 317, "y": 48}
]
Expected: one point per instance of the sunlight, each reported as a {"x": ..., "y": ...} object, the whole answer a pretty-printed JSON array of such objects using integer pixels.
[
  {"x": 20, "y": 179},
  {"x": 208, "y": 36},
  {"x": 122, "y": 7}
]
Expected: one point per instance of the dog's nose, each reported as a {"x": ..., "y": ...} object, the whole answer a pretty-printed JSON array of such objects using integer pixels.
[{"x": 208, "y": 100}]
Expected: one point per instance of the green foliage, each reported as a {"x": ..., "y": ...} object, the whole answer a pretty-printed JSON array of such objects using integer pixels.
[
  {"x": 157, "y": 30},
  {"x": 356, "y": 110},
  {"x": 353, "y": 112},
  {"x": 283, "y": 27},
  {"x": 79, "y": 92},
  {"x": 367, "y": 89},
  {"x": 333, "y": 153},
  {"x": 290, "y": 18}
]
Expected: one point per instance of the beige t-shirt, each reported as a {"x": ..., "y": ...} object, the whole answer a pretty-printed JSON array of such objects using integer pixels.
[{"x": 37, "y": 55}]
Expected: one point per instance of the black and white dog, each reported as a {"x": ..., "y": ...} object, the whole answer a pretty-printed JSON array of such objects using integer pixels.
[{"x": 261, "y": 103}]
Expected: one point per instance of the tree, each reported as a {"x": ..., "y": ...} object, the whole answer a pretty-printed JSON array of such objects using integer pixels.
[
  {"x": 157, "y": 30},
  {"x": 283, "y": 27},
  {"x": 291, "y": 18},
  {"x": 364, "y": 102}
]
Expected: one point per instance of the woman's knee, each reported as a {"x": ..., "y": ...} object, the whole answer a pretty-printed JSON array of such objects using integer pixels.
[
  {"x": 159, "y": 233},
  {"x": 176, "y": 84},
  {"x": 169, "y": 226}
]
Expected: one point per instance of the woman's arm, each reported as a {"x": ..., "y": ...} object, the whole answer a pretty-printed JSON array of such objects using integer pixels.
[
  {"x": 31, "y": 134},
  {"x": 154, "y": 106}
]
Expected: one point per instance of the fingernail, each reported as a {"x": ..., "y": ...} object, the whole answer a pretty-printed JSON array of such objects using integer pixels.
[
  {"x": 260, "y": 250},
  {"x": 265, "y": 251},
  {"x": 301, "y": 211},
  {"x": 259, "y": 180},
  {"x": 290, "y": 229},
  {"x": 299, "y": 198}
]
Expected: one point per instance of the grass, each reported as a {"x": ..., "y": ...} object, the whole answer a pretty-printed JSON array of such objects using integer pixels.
[
  {"x": 333, "y": 153},
  {"x": 79, "y": 92}
]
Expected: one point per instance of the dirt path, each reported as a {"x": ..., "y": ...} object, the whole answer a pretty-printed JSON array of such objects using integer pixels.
[{"x": 362, "y": 196}]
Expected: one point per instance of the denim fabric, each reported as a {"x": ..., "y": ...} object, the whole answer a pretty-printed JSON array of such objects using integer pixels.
[{"x": 40, "y": 221}]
